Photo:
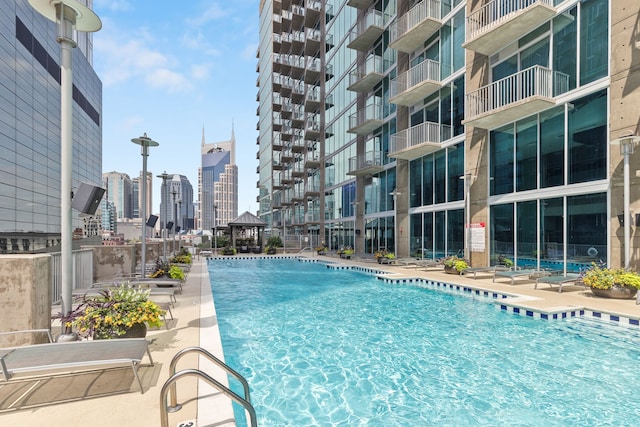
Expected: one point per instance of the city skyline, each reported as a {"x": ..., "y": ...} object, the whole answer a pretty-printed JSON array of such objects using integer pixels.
[{"x": 173, "y": 78}]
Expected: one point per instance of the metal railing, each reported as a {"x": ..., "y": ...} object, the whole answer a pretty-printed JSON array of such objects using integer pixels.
[
  {"x": 368, "y": 159},
  {"x": 82, "y": 272},
  {"x": 373, "y": 64},
  {"x": 372, "y": 111},
  {"x": 495, "y": 13},
  {"x": 417, "y": 14},
  {"x": 426, "y": 70},
  {"x": 170, "y": 385},
  {"x": 533, "y": 81},
  {"x": 418, "y": 134}
]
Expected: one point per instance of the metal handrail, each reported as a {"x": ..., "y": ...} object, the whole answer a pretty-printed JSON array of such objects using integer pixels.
[
  {"x": 172, "y": 370},
  {"x": 170, "y": 383}
]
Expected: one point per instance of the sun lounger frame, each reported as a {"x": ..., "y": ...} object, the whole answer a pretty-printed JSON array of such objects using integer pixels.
[
  {"x": 74, "y": 356},
  {"x": 556, "y": 280},
  {"x": 531, "y": 274}
]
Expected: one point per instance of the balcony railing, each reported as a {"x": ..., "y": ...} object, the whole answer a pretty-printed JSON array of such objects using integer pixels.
[
  {"x": 366, "y": 120},
  {"x": 418, "y": 140},
  {"x": 414, "y": 27},
  {"x": 367, "y": 31},
  {"x": 366, "y": 164},
  {"x": 514, "y": 97},
  {"x": 416, "y": 84},
  {"x": 501, "y": 22},
  {"x": 366, "y": 76}
]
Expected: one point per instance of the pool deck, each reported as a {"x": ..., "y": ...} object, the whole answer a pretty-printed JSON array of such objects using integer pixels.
[{"x": 111, "y": 397}]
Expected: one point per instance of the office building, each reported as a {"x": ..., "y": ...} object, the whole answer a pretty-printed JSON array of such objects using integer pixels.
[
  {"x": 176, "y": 204},
  {"x": 485, "y": 129},
  {"x": 30, "y": 128},
  {"x": 218, "y": 183}
]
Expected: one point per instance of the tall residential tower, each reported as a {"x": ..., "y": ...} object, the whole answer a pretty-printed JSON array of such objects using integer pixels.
[{"x": 485, "y": 128}]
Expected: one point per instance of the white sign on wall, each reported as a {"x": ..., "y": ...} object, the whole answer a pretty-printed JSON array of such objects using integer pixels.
[{"x": 476, "y": 235}]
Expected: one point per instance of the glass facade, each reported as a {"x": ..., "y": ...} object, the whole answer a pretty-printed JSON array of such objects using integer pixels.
[
  {"x": 533, "y": 141},
  {"x": 30, "y": 127}
]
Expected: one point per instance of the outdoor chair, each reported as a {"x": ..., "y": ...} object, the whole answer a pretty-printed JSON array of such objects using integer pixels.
[{"x": 52, "y": 358}]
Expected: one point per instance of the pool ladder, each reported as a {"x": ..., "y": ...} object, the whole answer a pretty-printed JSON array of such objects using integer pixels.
[{"x": 170, "y": 386}]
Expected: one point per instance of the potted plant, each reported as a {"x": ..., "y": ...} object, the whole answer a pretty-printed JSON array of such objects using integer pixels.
[
  {"x": 120, "y": 312},
  {"x": 455, "y": 265},
  {"x": 321, "y": 250},
  {"x": 228, "y": 250},
  {"x": 383, "y": 256},
  {"x": 611, "y": 283},
  {"x": 345, "y": 252},
  {"x": 273, "y": 243}
]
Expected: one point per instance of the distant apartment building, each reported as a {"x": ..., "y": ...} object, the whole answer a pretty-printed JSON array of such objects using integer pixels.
[
  {"x": 218, "y": 183},
  {"x": 485, "y": 128},
  {"x": 30, "y": 128}
]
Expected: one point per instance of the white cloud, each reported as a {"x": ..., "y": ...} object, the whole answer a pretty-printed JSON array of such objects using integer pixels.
[
  {"x": 249, "y": 52},
  {"x": 167, "y": 79},
  {"x": 211, "y": 14},
  {"x": 119, "y": 61}
]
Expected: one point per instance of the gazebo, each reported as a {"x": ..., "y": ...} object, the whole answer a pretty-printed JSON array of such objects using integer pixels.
[{"x": 247, "y": 226}]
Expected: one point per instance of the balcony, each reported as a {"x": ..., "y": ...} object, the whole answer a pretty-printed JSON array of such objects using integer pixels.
[
  {"x": 365, "y": 121},
  {"x": 365, "y": 77},
  {"x": 312, "y": 129},
  {"x": 312, "y": 99},
  {"x": 314, "y": 7},
  {"x": 312, "y": 43},
  {"x": 514, "y": 97},
  {"x": 502, "y": 22},
  {"x": 311, "y": 189},
  {"x": 367, "y": 31},
  {"x": 366, "y": 164},
  {"x": 416, "y": 84},
  {"x": 418, "y": 140},
  {"x": 360, "y": 4},
  {"x": 414, "y": 27}
]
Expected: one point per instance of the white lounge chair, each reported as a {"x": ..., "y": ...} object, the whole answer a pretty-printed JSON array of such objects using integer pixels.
[{"x": 37, "y": 359}]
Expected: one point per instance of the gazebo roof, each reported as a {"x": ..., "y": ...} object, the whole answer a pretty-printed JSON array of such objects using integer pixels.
[{"x": 247, "y": 219}]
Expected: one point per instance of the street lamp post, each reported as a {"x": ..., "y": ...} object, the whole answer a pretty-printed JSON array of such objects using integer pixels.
[
  {"x": 395, "y": 193},
  {"x": 144, "y": 142},
  {"x": 164, "y": 177},
  {"x": 70, "y": 16}
]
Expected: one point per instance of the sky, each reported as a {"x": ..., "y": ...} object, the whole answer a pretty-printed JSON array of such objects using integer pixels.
[{"x": 171, "y": 69}]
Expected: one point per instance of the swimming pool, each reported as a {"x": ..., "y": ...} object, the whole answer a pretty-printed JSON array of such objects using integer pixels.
[{"x": 324, "y": 347}]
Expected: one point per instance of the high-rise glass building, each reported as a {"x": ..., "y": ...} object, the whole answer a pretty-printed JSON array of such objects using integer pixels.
[
  {"x": 218, "y": 183},
  {"x": 176, "y": 203},
  {"x": 119, "y": 191},
  {"x": 30, "y": 127},
  {"x": 488, "y": 129}
]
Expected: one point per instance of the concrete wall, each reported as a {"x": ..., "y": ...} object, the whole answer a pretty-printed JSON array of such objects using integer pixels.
[
  {"x": 24, "y": 297},
  {"x": 124, "y": 260}
]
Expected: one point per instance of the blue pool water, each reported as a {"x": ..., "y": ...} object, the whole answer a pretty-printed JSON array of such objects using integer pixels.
[{"x": 324, "y": 347}]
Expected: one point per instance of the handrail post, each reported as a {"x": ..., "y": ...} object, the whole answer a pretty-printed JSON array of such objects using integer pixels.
[
  {"x": 172, "y": 370},
  {"x": 170, "y": 383}
]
